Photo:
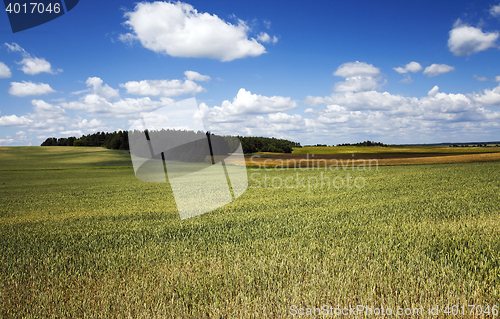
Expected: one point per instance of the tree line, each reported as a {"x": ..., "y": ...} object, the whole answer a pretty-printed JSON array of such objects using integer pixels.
[
  {"x": 119, "y": 140},
  {"x": 365, "y": 143},
  {"x": 116, "y": 140}
]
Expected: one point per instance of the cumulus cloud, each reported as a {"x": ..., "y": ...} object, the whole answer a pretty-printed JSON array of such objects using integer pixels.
[
  {"x": 104, "y": 91},
  {"x": 4, "y": 71},
  {"x": 163, "y": 87},
  {"x": 432, "y": 92},
  {"x": 29, "y": 88},
  {"x": 371, "y": 100},
  {"x": 357, "y": 68},
  {"x": 467, "y": 40},
  {"x": 247, "y": 103},
  {"x": 357, "y": 84},
  {"x": 54, "y": 118},
  {"x": 195, "y": 76},
  {"x": 35, "y": 65},
  {"x": 80, "y": 126},
  {"x": 435, "y": 105},
  {"x": 495, "y": 11},
  {"x": 284, "y": 118},
  {"x": 46, "y": 110},
  {"x": 410, "y": 67},
  {"x": 437, "y": 69},
  {"x": 359, "y": 77},
  {"x": 179, "y": 30},
  {"x": 280, "y": 125},
  {"x": 14, "y": 120},
  {"x": 123, "y": 108},
  {"x": 266, "y": 38},
  {"x": 105, "y": 101},
  {"x": 488, "y": 98},
  {"x": 349, "y": 116},
  {"x": 30, "y": 64},
  {"x": 413, "y": 67}
]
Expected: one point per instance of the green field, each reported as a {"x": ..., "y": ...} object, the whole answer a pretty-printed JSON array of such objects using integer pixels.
[
  {"x": 81, "y": 237},
  {"x": 409, "y": 150}
]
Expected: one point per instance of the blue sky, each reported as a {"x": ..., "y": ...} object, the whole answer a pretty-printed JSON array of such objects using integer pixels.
[{"x": 314, "y": 72}]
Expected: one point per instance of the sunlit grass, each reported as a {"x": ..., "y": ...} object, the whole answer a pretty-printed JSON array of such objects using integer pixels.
[
  {"x": 100, "y": 243},
  {"x": 60, "y": 157},
  {"x": 393, "y": 149}
]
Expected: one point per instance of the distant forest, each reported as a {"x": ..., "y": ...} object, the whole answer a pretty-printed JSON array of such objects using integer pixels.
[
  {"x": 119, "y": 141},
  {"x": 365, "y": 143}
]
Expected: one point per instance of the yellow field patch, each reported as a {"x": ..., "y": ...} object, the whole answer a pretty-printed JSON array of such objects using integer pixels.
[{"x": 371, "y": 159}]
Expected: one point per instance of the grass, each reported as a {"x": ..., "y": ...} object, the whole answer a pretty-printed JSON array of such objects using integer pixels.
[
  {"x": 409, "y": 150},
  {"x": 99, "y": 243},
  {"x": 61, "y": 157}
]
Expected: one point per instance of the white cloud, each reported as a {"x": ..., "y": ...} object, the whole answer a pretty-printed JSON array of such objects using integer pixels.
[
  {"x": 105, "y": 101},
  {"x": 6, "y": 141},
  {"x": 480, "y": 78},
  {"x": 81, "y": 126},
  {"x": 76, "y": 133},
  {"x": 437, "y": 69},
  {"x": 413, "y": 67},
  {"x": 410, "y": 67},
  {"x": 266, "y": 38},
  {"x": 246, "y": 103},
  {"x": 436, "y": 105},
  {"x": 4, "y": 71},
  {"x": 14, "y": 47},
  {"x": 497, "y": 78},
  {"x": 20, "y": 138},
  {"x": 371, "y": 100},
  {"x": 35, "y": 65},
  {"x": 467, "y": 40},
  {"x": 14, "y": 120},
  {"x": 489, "y": 98},
  {"x": 47, "y": 117},
  {"x": 179, "y": 30},
  {"x": 432, "y": 92},
  {"x": 357, "y": 68},
  {"x": 46, "y": 110},
  {"x": 31, "y": 65},
  {"x": 105, "y": 91},
  {"x": 279, "y": 125},
  {"x": 357, "y": 84},
  {"x": 284, "y": 118},
  {"x": 195, "y": 76},
  {"x": 495, "y": 11},
  {"x": 357, "y": 116},
  {"x": 407, "y": 79},
  {"x": 86, "y": 124},
  {"x": 29, "y": 88},
  {"x": 52, "y": 120},
  {"x": 123, "y": 108},
  {"x": 359, "y": 76},
  {"x": 163, "y": 87}
]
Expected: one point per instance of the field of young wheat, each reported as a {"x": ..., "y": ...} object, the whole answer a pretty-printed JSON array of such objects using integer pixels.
[{"x": 81, "y": 237}]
